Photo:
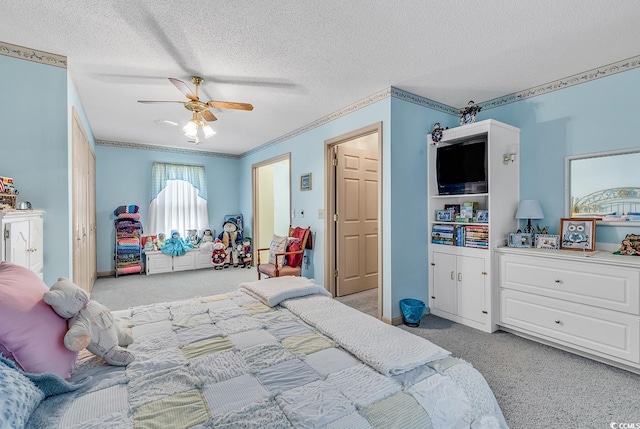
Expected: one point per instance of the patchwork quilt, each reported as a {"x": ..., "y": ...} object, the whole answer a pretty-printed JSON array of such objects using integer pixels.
[{"x": 308, "y": 361}]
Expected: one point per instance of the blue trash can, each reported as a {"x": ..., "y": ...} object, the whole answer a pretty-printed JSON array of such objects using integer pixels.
[{"x": 412, "y": 311}]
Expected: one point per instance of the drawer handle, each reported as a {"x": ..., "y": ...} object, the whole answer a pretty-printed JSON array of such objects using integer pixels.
[
  {"x": 558, "y": 281},
  {"x": 452, "y": 275},
  {"x": 557, "y": 321}
]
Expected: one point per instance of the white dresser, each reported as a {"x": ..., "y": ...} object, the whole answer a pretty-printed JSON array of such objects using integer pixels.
[
  {"x": 22, "y": 239},
  {"x": 586, "y": 303}
]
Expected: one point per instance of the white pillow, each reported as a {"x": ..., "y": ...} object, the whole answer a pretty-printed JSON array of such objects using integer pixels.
[{"x": 278, "y": 245}]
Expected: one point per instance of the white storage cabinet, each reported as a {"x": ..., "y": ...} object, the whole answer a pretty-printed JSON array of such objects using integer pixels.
[
  {"x": 460, "y": 277},
  {"x": 23, "y": 241},
  {"x": 157, "y": 262}
]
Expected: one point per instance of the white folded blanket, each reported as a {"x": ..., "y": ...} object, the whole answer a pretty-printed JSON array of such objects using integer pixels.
[
  {"x": 386, "y": 348},
  {"x": 274, "y": 290}
]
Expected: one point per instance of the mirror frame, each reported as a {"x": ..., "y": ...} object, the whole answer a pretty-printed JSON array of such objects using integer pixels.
[{"x": 567, "y": 170}]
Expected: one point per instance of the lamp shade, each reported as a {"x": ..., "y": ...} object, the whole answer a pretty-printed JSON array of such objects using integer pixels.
[
  {"x": 190, "y": 130},
  {"x": 529, "y": 209}
]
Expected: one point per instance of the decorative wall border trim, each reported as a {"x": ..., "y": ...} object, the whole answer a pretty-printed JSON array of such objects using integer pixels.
[
  {"x": 374, "y": 98},
  {"x": 422, "y": 101},
  {"x": 124, "y": 145},
  {"x": 34, "y": 55},
  {"x": 597, "y": 73}
]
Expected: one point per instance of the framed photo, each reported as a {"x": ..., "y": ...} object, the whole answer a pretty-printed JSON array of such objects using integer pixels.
[
  {"x": 444, "y": 215},
  {"x": 578, "y": 234},
  {"x": 520, "y": 239},
  {"x": 482, "y": 216},
  {"x": 547, "y": 241},
  {"x": 305, "y": 182},
  {"x": 454, "y": 207}
]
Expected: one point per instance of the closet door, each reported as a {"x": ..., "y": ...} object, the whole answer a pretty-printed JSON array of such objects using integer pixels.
[{"x": 83, "y": 207}]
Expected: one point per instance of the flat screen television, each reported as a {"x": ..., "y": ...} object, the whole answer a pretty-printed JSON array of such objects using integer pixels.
[{"x": 461, "y": 168}]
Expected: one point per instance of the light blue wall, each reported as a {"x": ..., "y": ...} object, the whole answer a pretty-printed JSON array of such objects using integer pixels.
[
  {"x": 307, "y": 156},
  {"x": 34, "y": 142},
  {"x": 596, "y": 116},
  {"x": 405, "y": 127},
  {"x": 123, "y": 176}
]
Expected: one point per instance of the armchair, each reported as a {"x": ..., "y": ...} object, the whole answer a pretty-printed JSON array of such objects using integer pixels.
[{"x": 275, "y": 266}]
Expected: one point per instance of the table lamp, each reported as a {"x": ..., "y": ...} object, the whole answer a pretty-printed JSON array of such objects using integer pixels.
[{"x": 529, "y": 209}]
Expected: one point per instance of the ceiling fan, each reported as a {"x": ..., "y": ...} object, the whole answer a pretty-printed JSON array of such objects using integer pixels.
[{"x": 200, "y": 109}]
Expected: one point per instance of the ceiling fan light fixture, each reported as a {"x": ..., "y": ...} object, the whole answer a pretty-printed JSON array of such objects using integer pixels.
[
  {"x": 208, "y": 131},
  {"x": 191, "y": 129}
]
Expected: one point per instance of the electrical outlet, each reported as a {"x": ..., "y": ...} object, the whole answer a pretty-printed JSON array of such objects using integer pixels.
[{"x": 320, "y": 213}]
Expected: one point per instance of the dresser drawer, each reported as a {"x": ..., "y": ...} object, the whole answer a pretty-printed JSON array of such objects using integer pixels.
[
  {"x": 603, "y": 332},
  {"x": 586, "y": 282}
]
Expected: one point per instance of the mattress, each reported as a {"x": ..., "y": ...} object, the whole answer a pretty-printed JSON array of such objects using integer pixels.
[{"x": 229, "y": 361}]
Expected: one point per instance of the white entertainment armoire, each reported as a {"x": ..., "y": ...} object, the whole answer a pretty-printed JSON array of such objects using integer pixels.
[{"x": 461, "y": 278}]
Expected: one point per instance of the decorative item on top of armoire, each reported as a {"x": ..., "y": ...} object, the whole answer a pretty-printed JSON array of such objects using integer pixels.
[
  {"x": 436, "y": 133},
  {"x": 468, "y": 113},
  {"x": 128, "y": 248}
]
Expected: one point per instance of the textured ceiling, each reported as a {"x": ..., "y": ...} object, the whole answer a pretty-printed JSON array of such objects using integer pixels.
[{"x": 299, "y": 61}]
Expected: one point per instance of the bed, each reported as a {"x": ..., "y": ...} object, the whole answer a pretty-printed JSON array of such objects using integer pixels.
[{"x": 277, "y": 353}]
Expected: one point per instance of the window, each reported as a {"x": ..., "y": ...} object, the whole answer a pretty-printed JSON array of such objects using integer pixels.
[{"x": 178, "y": 199}]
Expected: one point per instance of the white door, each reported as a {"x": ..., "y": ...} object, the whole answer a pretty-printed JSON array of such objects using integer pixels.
[
  {"x": 357, "y": 223},
  {"x": 271, "y": 202},
  {"x": 444, "y": 282}
]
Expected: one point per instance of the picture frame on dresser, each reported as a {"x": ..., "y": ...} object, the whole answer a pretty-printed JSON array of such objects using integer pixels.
[
  {"x": 520, "y": 239},
  {"x": 547, "y": 241},
  {"x": 578, "y": 234}
]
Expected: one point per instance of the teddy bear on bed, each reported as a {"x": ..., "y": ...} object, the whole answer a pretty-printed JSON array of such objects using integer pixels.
[{"x": 91, "y": 324}]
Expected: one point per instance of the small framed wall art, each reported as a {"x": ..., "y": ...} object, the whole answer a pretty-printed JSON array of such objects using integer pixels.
[
  {"x": 305, "y": 182},
  {"x": 520, "y": 239},
  {"x": 547, "y": 241},
  {"x": 578, "y": 234}
]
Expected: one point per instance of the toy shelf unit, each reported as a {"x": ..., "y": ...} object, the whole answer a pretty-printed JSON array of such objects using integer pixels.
[
  {"x": 473, "y": 196},
  {"x": 128, "y": 247}
]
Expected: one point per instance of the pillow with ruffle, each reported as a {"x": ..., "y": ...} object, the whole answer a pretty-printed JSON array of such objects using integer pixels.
[{"x": 278, "y": 245}]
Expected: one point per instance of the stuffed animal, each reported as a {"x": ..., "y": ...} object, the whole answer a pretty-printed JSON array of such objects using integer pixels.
[
  {"x": 91, "y": 324},
  {"x": 231, "y": 238},
  {"x": 159, "y": 242},
  {"x": 206, "y": 242},
  {"x": 176, "y": 246},
  {"x": 218, "y": 255}
]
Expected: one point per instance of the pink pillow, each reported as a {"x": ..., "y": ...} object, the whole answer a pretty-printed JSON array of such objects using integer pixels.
[{"x": 30, "y": 331}]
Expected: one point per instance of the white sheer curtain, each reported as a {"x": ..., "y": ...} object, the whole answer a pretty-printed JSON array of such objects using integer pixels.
[{"x": 176, "y": 203}]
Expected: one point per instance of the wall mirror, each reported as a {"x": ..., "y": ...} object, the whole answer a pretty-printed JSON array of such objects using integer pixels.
[{"x": 603, "y": 185}]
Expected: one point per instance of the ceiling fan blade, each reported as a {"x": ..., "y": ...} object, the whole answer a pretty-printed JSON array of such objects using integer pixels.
[
  {"x": 183, "y": 88},
  {"x": 153, "y": 101},
  {"x": 208, "y": 116},
  {"x": 230, "y": 105}
]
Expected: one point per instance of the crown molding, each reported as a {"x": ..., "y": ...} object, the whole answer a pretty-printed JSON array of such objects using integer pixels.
[
  {"x": 34, "y": 55},
  {"x": 374, "y": 98},
  {"x": 576, "y": 79},
  {"x": 125, "y": 145}
]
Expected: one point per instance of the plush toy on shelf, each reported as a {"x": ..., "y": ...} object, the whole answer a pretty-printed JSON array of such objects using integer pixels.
[
  {"x": 231, "y": 238},
  {"x": 91, "y": 324},
  {"x": 176, "y": 246},
  {"x": 159, "y": 241},
  {"x": 206, "y": 242}
]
